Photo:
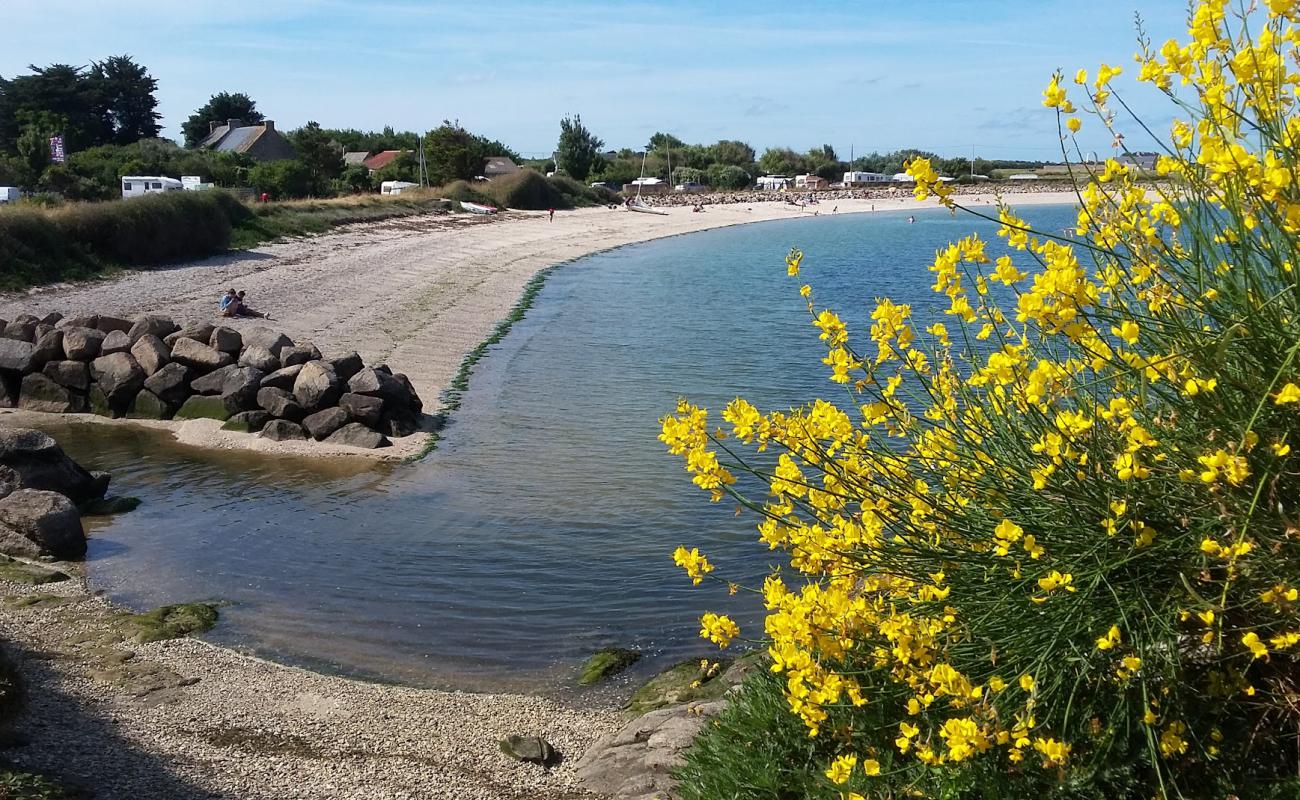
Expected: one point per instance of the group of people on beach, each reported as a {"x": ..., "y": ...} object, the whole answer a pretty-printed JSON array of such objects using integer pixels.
[{"x": 233, "y": 305}]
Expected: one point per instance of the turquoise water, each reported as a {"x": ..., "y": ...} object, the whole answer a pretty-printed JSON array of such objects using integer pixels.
[{"x": 542, "y": 527}]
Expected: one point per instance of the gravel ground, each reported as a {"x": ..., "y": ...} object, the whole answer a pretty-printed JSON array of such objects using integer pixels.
[{"x": 184, "y": 719}]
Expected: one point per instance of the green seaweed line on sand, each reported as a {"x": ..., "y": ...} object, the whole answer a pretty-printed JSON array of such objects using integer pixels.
[{"x": 455, "y": 392}]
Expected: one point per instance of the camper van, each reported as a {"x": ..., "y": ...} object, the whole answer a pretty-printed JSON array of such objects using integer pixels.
[
  {"x": 138, "y": 186},
  {"x": 9, "y": 194}
]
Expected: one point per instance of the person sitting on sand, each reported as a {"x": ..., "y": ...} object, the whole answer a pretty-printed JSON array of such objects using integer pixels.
[
  {"x": 243, "y": 310},
  {"x": 226, "y": 299}
]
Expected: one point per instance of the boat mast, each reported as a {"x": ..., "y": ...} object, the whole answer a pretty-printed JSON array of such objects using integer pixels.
[{"x": 641, "y": 180}]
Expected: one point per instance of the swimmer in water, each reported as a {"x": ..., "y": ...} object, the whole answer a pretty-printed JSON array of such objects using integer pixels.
[{"x": 910, "y": 220}]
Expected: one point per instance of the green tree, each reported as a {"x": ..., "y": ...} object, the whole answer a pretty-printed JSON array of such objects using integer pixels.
[
  {"x": 727, "y": 176},
  {"x": 730, "y": 151},
  {"x": 781, "y": 161},
  {"x": 578, "y": 151},
  {"x": 219, "y": 108},
  {"x": 281, "y": 180},
  {"x": 125, "y": 91},
  {"x": 453, "y": 153},
  {"x": 356, "y": 179},
  {"x": 319, "y": 154},
  {"x": 59, "y": 90},
  {"x": 663, "y": 141}
]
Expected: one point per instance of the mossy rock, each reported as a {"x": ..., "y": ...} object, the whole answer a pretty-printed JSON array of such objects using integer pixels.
[
  {"x": 29, "y": 574},
  {"x": 203, "y": 407},
  {"x": 98, "y": 403},
  {"x": 106, "y": 506},
  {"x": 168, "y": 622},
  {"x": 605, "y": 663},
  {"x": 697, "y": 679}
]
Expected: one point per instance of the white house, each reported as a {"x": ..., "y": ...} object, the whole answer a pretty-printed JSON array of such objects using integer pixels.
[
  {"x": 864, "y": 178},
  {"x": 140, "y": 185},
  {"x": 902, "y": 177}
]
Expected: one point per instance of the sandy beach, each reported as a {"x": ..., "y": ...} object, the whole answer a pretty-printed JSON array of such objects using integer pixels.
[{"x": 416, "y": 293}]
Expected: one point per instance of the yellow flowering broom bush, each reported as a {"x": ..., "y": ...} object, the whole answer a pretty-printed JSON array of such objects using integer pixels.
[{"x": 1053, "y": 544}]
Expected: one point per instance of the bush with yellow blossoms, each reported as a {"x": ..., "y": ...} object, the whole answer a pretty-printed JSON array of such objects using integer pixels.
[{"x": 1051, "y": 545}]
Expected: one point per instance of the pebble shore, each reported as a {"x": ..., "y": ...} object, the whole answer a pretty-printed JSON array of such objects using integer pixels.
[{"x": 184, "y": 720}]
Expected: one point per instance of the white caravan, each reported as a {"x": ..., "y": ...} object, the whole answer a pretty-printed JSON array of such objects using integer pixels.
[{"x": 138, "y": 185}]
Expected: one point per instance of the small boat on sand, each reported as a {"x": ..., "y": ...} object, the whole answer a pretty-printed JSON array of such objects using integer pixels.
[
  {"x": 477, "y": 208},
  {"x": 637, "y": 205}
]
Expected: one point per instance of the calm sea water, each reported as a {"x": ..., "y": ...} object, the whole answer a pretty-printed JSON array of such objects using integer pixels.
[{"x": 542, "y": 528}]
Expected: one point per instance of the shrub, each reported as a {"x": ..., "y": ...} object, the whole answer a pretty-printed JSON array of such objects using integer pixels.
[
  {"x": 525, "y": 189},
  {"x": 1051, "y": 548},
  {"x": 153, "y": 229},
  {"x": 458, "y": 191},
  {"x": 281, "y": 180}
]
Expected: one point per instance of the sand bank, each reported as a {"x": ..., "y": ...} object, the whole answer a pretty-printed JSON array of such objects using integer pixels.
[
  {"x": 183, "y": 720},
  {"x": 417, "y": 293}
]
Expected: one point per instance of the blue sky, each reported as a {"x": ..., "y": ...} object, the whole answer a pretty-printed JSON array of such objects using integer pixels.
[{"x": 945, "y": 75}]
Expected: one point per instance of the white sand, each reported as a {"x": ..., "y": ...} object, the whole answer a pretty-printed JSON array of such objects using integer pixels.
[{"x": 416, "y": 293}]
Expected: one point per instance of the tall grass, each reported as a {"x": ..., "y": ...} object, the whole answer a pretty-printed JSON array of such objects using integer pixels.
[{"x": 78, "y": 241}]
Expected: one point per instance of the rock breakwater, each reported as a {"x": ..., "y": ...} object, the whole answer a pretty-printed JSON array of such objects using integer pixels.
[{"x": 257, "y": 381}]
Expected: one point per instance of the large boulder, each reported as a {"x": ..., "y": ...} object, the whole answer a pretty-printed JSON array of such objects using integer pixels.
[
  {"x": 354, "y": 434},
  {"x": 282, "y": 378},
  {"x": 298, "y": 354},
  {"x": 227, "y": 340},
  {"x": 9, "y": 384},
  {"x": 48, "y": 347},
  {"x": 52, "y": 319},
  {"x": 363, "y": 408},
  {"x": 148, "y": 405},
  {"x": 22, "y": 329},
  {"x": 282, "y": 430},
  {"x": 119, "y": 377},
  {"x": 399, "y": 422},
  {"x": 213, "y": 381},
  {"x": 347, "y": 365},
  {"x": 377, "y": 383},
  {"x": 638, "y": 759},
  {"x": 72, "y": 374},
  {"x": 325, "y": 422},
  {"x": 199, "y": 356},
  {"x": 115, "y": 342},
  {"x": 239, "y": 390},
  {"x": 86, "y": 321},
  {"x": 171, "y": 383},
  {"x": 155, "y": 325},
  {"x": 317, "y": 386},
  {"x": 413, "y": 400},
  {"x": 42, "y": 464},
  {"x": 247, "y": 422},
  {"x": 109, "y": 324},
  {"x": 259, "y": 357},
  {"x": 80, "y": 343},
  {"x": 16, "y": 355},
  {"x": 280, "y": 403},
  {"x": 150, "y": 353},
  {"x": 266, "y": 338},
  {"x": 41, "y": 393},
  {"x": 46, "y": 520},
  {"x": 203, "y": 407}
]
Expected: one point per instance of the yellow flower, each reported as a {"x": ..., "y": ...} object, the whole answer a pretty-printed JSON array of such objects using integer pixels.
[
  {"x": 1027, "y": 682},
  {"x": 1128, "y": 330},
  {"x": 871, "y": 766},
  {"x": 695, "y": 564},
  {"x": 1054, "y": 95},
  {"x": 719, "y": 629},
  {"x": 1288, "y": 394},
  {"x": 1111, "y": 638},
  {"x": 1073, "y": 124},
  {"x": 841, "y": 769},
  {"x": 1253, "y": 643}
]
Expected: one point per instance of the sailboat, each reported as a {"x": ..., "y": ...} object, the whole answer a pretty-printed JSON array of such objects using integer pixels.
[{"x": 635, "y": 203}]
